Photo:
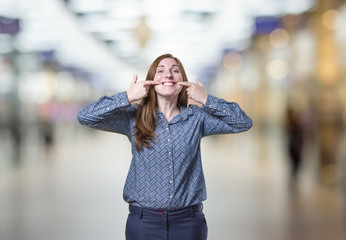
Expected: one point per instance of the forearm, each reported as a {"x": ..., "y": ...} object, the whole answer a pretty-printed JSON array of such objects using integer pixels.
[
  {"x": 229, "y": 117},
  {"x": 107, "y": 112}
]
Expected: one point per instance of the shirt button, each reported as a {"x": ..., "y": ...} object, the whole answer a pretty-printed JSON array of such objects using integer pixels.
[
  {"x": 108, "y": 108},
  {"x": 210, "y": 105},
  {"x": 169, "y": 140},
  {"x": 171, "y": 181},
  {"x": 224, "y": 111},
  {"x": 169, "y": 153},
  {"x": 122, "y": 103},
  {"x": 171, "y": 196},
  {"x": 170, "y": 166},
  {"x": 167, "y": 129}
]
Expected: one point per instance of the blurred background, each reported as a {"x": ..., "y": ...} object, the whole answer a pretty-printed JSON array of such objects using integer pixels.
[{"x": 283, "y": 61}]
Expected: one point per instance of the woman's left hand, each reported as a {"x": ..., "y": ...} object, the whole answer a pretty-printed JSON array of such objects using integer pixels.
[{"x": 195, "y": 91}]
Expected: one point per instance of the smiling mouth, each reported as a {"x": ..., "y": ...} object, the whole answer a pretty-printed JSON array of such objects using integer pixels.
[{"x": 168, "y": 83}]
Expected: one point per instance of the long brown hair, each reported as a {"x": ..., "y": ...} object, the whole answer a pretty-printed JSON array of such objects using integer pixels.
[{"x": 146, "y": 112}]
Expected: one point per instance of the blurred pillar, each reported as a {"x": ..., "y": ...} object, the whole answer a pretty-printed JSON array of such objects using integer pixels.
[
  {"x": 15, "y": 121},
  {"x": 142, "y": 32},
  {"x": 328, "y": 73},
  {"x": 12, "y": 27}
]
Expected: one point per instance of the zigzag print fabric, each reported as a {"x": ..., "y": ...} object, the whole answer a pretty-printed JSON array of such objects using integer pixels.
[{"x": 169, "y": 175}]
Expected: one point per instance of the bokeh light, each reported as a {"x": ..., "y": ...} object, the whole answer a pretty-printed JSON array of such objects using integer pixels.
[
  {"x": 277, "y": 69},
  {"x": 279, "y": 38}
]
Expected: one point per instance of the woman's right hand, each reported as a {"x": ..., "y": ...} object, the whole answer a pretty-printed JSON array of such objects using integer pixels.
[{"x": 139, "y": 90}]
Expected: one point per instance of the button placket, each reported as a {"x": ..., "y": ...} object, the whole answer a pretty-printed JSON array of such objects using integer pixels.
[{"x": 170, "y": 159}]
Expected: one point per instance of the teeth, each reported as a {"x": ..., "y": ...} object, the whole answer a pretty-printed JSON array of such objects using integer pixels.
[{"x": 168, "y": 84}]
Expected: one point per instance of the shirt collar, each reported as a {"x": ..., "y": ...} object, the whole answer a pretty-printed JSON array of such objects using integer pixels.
[{"x": 185, "y": 113}]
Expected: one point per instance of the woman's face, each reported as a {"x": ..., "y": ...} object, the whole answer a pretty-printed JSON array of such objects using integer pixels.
[{"x": 168, "y": 74}]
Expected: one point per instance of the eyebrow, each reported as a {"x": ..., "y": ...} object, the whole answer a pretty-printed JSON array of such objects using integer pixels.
[{"x": 174, "y": 65}]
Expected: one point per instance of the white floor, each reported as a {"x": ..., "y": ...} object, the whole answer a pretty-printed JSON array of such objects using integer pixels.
[{"x": 74, "y": 191}]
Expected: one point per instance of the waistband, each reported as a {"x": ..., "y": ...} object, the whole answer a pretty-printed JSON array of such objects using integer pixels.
[{"x": 187, "y": 211}]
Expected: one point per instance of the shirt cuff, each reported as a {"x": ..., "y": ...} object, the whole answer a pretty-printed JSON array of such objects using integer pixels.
[
  {"x": 121, "y": 99},
  {"x": 211, "y": 104}
]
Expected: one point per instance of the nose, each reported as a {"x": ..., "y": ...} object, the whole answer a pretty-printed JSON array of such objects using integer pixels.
[{"x": 168, "y": 74}]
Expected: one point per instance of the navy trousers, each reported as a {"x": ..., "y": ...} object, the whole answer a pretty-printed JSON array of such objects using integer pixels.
[{"x": 182, "y": 224}]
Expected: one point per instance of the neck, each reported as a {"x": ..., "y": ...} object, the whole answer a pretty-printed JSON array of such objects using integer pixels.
[{"x": 169, "y": 108}]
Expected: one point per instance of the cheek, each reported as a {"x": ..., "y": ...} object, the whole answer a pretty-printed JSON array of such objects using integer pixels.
[
  {"x": 157, "y": 77},
  {"x": 179, "y": 88}
]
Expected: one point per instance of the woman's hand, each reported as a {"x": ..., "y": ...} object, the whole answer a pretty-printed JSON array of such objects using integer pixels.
[
  {"x": 195, "y": 91},
  {"x": 139, "y": 90}
]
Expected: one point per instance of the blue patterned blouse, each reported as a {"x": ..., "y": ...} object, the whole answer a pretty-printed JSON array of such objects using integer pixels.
[{"x": 169, "y": 175}]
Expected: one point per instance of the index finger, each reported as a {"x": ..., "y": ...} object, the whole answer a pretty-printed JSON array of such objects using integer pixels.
[
  {"x": 150, "y": 82},
  {"x": 185, "y": 83}
]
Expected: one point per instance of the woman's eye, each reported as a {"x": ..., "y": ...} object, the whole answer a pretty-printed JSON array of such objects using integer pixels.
[{"x": 176, "y": 71}]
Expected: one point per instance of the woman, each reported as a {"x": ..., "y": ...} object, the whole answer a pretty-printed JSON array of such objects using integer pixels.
[{"x": 165, "y": 185}]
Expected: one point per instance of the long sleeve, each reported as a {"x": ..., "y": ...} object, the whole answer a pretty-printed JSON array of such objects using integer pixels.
[
  {"x": 113, "y": 114},
  {"x": 224, "y": 117}
]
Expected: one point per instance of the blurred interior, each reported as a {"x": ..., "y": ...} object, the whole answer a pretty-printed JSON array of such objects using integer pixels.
[{"x": 283, "y": 61}]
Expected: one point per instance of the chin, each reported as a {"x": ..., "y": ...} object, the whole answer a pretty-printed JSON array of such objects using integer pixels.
[
  {"x": 168, "y": 94},
  {"x": 165, "y": 91}
]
